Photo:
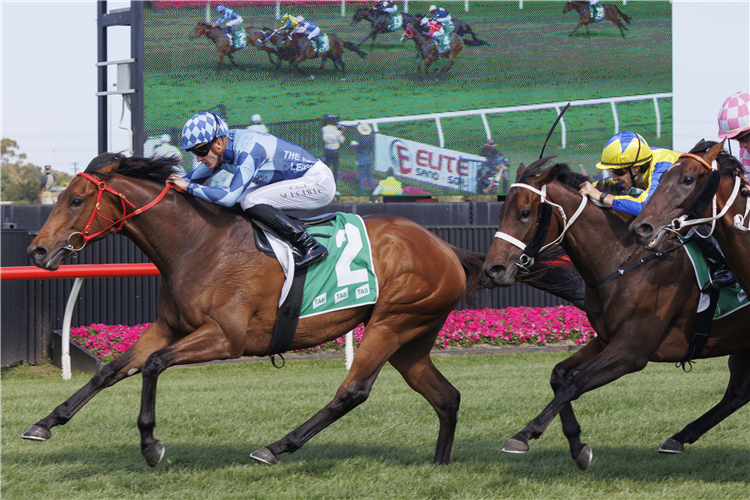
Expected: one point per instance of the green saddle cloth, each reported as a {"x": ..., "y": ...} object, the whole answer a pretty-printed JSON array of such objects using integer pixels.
[
  {"x": 730, "y": 298},
  {"x": 597, "y": 12},
  {"x": 395, "y": 22},
  {"x": 346, "y": 278}
]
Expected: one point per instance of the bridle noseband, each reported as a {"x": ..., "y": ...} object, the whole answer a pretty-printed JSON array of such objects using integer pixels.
[
  {"x": 101, "y": 185},
  {"x": 529, "y": 253}
]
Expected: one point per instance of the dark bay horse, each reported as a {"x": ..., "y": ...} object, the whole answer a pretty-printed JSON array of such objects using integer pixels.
[
  {"x": 645, "y": 314},
  {"x": 380, "y": 23},
  {"x": 300, "y": 49},
  {"x": 429, "y": 51},
  {"x": 219, "y": 37},
  {"x": 258, "y": 38},
  {"x": 611, "y": 13},
  {"x": 681, "y": 192},
  {"x": 208, "y": 257}
]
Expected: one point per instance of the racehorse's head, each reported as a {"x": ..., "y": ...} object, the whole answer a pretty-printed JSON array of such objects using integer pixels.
[
  {"x": 360, "y": 15},
  {"x": 87, "y": 208},
  {"x": 200, "y": 29},
  {"x": 568, "y": 7},
  {"x": 524, "y": 223},
  {"x": 687, "y": 188}
]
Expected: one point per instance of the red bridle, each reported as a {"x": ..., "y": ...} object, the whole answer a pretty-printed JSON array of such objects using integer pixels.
[{"x": 102, "y": 185}]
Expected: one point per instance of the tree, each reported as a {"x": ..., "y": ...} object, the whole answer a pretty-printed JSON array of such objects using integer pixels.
[{"x": 19, "y": 181}]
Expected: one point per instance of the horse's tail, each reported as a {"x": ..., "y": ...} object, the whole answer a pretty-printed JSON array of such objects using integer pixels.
[
  {"x": 624, "y": 16},
  {"x": 476, "y": 42},
  {"x": 353, "y": 47},
  {"x": 472, "y": 263}
]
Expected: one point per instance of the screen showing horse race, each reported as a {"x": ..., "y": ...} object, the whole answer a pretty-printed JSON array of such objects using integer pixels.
[{"x": 414, "y": 98}]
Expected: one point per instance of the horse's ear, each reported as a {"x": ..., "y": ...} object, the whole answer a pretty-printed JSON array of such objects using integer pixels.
[
  {"x": 109, "y": 169},
  {"x": 714, "y": 152},
  {"x": 521, "y": 168}
]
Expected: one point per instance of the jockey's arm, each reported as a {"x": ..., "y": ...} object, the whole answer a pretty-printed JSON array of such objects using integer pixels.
[
  {"x": 228, "y": 196},
  {"x": 199, "y": 174}
]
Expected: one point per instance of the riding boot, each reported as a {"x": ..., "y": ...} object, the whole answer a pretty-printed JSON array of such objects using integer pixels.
[
  {"x": 717, "y": 265},
  {"x": 306, "y": 249}
]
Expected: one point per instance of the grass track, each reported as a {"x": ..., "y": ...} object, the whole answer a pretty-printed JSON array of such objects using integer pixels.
[{"x": 383, "y": 449}]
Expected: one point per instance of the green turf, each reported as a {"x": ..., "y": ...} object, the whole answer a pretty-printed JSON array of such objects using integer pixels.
[
  {"x": 531, "y": 60},
  {"x": 211, "y": 418}
]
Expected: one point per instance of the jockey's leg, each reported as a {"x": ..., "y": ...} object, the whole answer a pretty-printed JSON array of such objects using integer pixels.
[
  {"x": 717, "y": 264},
  {"x": 315, "y": 189}
]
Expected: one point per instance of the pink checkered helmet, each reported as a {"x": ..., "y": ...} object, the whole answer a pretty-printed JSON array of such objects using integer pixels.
[{"x": 734, "y": 116}]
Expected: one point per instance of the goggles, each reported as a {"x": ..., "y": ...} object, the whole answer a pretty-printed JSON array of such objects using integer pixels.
[{"x": 619, "y": 172}]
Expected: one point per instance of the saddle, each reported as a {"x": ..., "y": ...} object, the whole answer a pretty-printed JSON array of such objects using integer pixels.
[{"x": 262, "y": 243}]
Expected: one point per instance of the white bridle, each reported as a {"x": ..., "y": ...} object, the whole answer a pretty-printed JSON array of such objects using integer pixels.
[
  {"x": 739, "y": 220},
  {"x": 525, "y": 260}
]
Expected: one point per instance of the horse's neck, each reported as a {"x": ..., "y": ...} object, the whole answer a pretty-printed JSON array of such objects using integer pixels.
[
  {"x": 598, "y": 241},
  {"x": 175, "y": 225}
]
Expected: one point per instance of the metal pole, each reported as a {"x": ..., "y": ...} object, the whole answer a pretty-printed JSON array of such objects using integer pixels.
[
  {"x": 658, "y": 117},
  {"x": 101, "y": 10},
  {"x": 65, "y": 355},
  {"x": 136, "y": 77},
  {"x": 614, "y": 115},
  {"x": 349, "y": 349},
  {"x": 440, "y": 132}
]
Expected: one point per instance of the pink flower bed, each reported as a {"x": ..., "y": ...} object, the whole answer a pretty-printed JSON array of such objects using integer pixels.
[{"x": 509, "y": 326}]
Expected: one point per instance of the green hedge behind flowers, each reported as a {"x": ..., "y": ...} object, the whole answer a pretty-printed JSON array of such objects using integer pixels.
[{"x": 495, "y": 327}]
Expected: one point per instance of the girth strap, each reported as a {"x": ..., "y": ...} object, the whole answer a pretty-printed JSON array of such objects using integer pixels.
[{"x": 288, "y": 315}]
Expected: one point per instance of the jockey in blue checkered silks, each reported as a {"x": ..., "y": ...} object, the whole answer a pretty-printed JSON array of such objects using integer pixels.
[
  {"x": 232, "y": 22},
  {"x": 268, "y": 174}
]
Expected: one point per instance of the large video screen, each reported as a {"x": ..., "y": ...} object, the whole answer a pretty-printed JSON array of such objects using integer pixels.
[{"x": 428, "y": 132}]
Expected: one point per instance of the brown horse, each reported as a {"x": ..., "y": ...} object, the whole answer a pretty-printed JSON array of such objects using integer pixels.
[
  {"x": 302, "y": 50},
  {"x": 429, "y": 51},
  {"x": 379, "y": 22},
  {"x": 208, "y": 260},
  {"x": 611, "y": 13},
  {"x": 259, "y": 38},
  {"x": 219, "y": 37},
  {"x": 644, "y": 314},
  {"x": 681, "y": 193}
]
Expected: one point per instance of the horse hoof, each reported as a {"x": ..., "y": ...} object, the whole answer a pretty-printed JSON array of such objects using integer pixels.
[
  {"x": 312, "y": 77},
  {"x": 672, "y": 447},
  {"x": 515, "y": 446},
  {"x": 37, "y": 433},
  {"x": 584, "y": 458},
  {"x": 153, "y": 454},
  {"x": 264, "y": 455}
]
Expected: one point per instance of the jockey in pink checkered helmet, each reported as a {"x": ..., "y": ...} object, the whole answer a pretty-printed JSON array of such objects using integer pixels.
[
  {"x": 734, "y": 116},
  {"x": 734, "y": 123}
]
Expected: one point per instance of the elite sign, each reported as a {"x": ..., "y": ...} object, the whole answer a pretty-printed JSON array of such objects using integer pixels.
[{"x": 424, "y": 163}]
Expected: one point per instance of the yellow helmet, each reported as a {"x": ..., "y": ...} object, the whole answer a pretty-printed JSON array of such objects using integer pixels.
[
  {"x": 624, "y": 149},
  {"x": 290, "y": 18}
]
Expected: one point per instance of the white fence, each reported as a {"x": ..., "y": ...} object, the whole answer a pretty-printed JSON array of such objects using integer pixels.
[{"x": 482, "y": 113}]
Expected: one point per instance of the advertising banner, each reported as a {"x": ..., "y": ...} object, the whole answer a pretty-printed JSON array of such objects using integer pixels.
[{"x": 425, "y": 163}]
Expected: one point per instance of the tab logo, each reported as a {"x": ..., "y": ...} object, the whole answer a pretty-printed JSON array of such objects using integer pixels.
[
  {"x": 341, "y": 295},
  {"x": 741, "y": 296},
  {"x": 362, "y": 291},
  {"x": 319, "y": 300}
]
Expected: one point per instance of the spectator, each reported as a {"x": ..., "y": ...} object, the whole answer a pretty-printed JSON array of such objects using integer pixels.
[
  {"x": 365, "y": 157},
  {"x": 48, "y": 180},
  {"x": 333, "y": 138},
  {"x": 166, "y": 150},
  {"x": 257, "y": 124},
  {"x": 494, "y": 170}
]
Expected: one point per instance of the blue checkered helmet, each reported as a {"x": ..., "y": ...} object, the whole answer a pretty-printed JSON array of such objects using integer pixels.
[{"x": 201, "y": 128}]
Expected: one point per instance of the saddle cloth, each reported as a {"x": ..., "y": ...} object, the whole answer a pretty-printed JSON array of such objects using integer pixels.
[
  {"x": 731, "y": 299},
  {"x": 323, "y": 43},
  {"x": 237, "y": 38},
  {"x": 598, "y": 12},
  {"x": 344, "y": 279},
  {"x": 395, "y": 22}
]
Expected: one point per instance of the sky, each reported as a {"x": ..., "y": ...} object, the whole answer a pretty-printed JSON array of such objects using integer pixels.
[{"x": 48, "y": 71}]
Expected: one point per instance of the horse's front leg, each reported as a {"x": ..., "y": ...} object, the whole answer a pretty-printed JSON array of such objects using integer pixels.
[
  {"x": 207, "y": 343},
  {"x": 156, "y": 336},
  {"x": 616, "y": 360},
  {"x": 580, "y": 23}
]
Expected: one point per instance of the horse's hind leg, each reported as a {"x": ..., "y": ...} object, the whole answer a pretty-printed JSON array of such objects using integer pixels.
[
  {"x": 127, "y": 364},
  {"x": 207, "y": 343},
  {"x": 736, "y": 396},
  {"x": 414, "y": 364}
]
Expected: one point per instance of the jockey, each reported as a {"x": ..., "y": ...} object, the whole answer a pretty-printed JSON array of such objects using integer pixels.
[
  {"x": 230, "y": 17},
  {"x": 311, "y": 30},
  {"x": 290, "y": 22},
  {"x": 734, "y": 123},
  {"x": 637, "y": 169},
  {"x": 268, "y": 174},
  {"x": 432, "y": 29},
  {"x": 387, "y": 7},
  {"x": 593, "y": 7},
  {"x": 442, "y": 16}
]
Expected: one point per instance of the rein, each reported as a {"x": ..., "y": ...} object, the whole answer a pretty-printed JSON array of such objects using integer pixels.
[
  {"x": 102, "y": 186},
  {"x": 684, "y": 220},
  {"x": 622, "y": 270},
  {"x": 530, "y": 253}
]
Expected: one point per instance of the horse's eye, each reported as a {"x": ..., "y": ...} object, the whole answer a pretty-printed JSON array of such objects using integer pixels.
[
  {"x": 76, "y": 202},
  {"x": 688, "y": 180},
  {"x": 525, "y": 214}
]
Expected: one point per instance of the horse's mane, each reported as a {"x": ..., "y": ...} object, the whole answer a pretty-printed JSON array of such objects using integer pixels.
[
  {"x": 567, "y": 177},
  {"x": 728, "y": 164},
  {"x": 149, "y": 169}
]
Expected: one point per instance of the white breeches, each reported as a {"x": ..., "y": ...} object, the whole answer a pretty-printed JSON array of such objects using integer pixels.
[{"x": 315, "y": 189}]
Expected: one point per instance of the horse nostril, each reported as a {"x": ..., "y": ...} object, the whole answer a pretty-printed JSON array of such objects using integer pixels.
[
  {"x": 645, "y": 230},
  {"x": 38, "y": 253},
  {"x": 496, "y": 271}
]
